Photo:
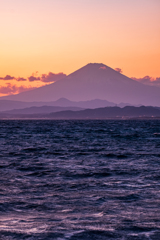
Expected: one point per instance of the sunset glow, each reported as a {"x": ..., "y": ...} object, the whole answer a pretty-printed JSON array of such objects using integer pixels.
[{"x": 64, "y": 35}]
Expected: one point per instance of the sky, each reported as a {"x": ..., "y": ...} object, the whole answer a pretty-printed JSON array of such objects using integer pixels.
[{"x": 53, "y": 36}]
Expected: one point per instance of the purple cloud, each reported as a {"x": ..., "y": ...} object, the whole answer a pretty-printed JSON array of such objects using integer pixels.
[
  {"x": 7, "y": 77},
  {"x": 118, "y": 70},
  {"x": 21, "y": 79},
  {"x": 32, "y": 78},
  {"x": 52, "y": 77},
  {"x": 148, "y": 80}
]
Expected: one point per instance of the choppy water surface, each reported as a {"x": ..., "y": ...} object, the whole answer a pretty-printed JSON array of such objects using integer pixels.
[{"x": 78, "y": 180}]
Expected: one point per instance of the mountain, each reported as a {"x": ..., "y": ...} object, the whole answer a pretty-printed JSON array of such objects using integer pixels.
[
  {"x": 98, "y": 113},
  {"x": 7, "y": 105},
  {"x": 109, "y": 112},
  {"x": 41, "y": 110},
  {"x": 94, "y": 81},
  {"x": 96, "y": 103}
]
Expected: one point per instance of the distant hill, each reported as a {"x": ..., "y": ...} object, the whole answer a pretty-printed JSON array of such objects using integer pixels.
[
  {"x": 98, "y": 113},
  {"x": 109, "y": 112},
  {"x": 42, "y": 110},
  {"x": 7, "y": 105},
  {"x": 94, "y": 81},
  {"x": 96, "y": 103}
]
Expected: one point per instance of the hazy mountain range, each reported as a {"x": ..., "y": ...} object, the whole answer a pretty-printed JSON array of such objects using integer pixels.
[
  {"x": 97, "y": 113},
  {"x": 25, "y": 107},
  {"x": 93, "y": 81},
  {"x": 42, "y": 110},
  {"x": 109, "y": 112}
]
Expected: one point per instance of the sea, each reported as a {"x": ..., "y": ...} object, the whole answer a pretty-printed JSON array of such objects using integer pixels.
[{"x": 80, "y": 179}]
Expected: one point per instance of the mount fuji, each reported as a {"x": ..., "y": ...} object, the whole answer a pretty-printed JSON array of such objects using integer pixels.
[{"x": 94, "y": 81}]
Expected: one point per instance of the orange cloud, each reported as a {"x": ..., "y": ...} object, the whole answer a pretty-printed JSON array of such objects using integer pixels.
[
  {"x": 148, "y": 80},
  {"x": 33, "y": 81},
  {"x": 102, "y": 68},
  {"x": 13, "y": 89},
  {"x": 118, "y": 70}
]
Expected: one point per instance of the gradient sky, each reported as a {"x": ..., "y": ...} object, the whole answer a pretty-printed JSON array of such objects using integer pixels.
[{"x": 64, "y": 35}]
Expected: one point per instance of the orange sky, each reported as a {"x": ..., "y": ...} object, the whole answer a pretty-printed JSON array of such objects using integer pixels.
[{"x": 64, "y": 35}]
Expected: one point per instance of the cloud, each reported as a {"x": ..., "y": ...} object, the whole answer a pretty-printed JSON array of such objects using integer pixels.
[
  {"x": 52, "y": 77},
  {"x": 118, "y": 70},
  {"x": 7, "y": 77},
  {"x": 148, "y": 80},
  {"x": 145, "y": 80},
  {"x": 32, "y": 78},
  {"x": 102, "y": 68},
  {"x": 13, "y": 89},
  {"x": 21, "y": 79},
  {"x": 157, "y": 80}
]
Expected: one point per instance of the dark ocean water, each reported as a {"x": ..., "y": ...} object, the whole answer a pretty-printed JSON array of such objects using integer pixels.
[{"x": 74, "y": 180}]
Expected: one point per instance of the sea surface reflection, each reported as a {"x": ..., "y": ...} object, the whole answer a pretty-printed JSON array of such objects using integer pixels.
[{"x": 80, "y": 179}]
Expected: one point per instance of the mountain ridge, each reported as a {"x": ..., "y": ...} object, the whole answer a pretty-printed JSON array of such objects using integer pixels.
[
  {"x": 41, "y": 110},
  {"x": 9, "y": 105},
  {"x": 109, "y": 112},
  {"x": 115, "y": 112}
]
